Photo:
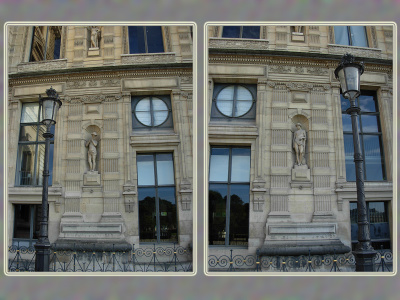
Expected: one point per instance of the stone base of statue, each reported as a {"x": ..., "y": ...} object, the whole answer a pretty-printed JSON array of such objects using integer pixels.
[
  {"x": 92, "y": 178},
  {"x": 94, "y": 51},
  {"x": 301, "y": 173}
]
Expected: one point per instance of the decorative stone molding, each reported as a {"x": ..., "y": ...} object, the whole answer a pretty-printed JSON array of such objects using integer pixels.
[
  {"x": 129, "y": 194},
  {"x": 356, "y": 51},
  {"x": 259, "y": 192},
  {"x": 93, "y": 98},
  {"x": 231, "y": 43},
  {"x": 186, "y": 79},
  {"x": 167, "y": 36},
  {"x": 45, "y": 65},
  {"x": 147, "y": 58},
  {"x": 186, "y": 195}
]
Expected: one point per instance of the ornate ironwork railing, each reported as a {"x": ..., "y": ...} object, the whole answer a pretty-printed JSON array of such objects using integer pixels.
[
  {"x": 79, "y": 259},
  {"x": 304, "y": 263}
]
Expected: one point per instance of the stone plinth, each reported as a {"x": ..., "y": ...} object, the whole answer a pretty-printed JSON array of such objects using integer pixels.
[
  {"x": 94, "y": 51},
  {"x": 92, "y": 178},
  {"x": 301, "y": 173},
  {"x": 302, "y": 239},
  {"x": 91, "y": 231}
]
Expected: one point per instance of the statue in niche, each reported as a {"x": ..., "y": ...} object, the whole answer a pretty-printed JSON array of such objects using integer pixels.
[
  {"x": 92, "y": 151},
  {"x": 299, "y": 144},
  {"x": 298, "y": 29},
  {"x": 94, "y": 37}
]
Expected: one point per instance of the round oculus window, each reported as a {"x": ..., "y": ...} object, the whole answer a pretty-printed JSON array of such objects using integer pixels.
[
  {"x": 234, "y": 101},
  {"x": 151, "y": 111}
]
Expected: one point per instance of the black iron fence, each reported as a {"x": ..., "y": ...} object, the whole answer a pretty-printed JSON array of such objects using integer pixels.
[
  {"x": 304, "y": 263},
  {"x": 92, "y": 259}
]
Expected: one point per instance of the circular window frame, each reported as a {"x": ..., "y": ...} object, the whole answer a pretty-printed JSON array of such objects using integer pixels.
[
  {"x": 152, "y": 116},
  {"x": 236, "y": 86}
]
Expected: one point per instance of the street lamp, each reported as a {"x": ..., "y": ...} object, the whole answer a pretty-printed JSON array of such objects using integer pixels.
[
  {"x": 48, "y": 107},
  {"x": 348, "y": 72}
]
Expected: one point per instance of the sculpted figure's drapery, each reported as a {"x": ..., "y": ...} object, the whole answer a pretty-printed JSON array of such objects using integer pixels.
[
  {"x": 94, "y": 37},
  {"x": 299, "y": 144},
  {"x": 92, "y": 151}
]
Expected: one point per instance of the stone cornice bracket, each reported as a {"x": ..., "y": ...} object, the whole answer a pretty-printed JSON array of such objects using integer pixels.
[
  {"x": 112, "y": 98},
  {"x": 56, "y": 190},
  {"x": 129, "y": 194}
]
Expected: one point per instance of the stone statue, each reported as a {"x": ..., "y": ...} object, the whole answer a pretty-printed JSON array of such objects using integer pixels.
[
  {"x": 299, "y": 143},
  {"x": 92, "y": 152},
  {"x": 94, "y": 37},
  {"x": 298, "y": 29}
]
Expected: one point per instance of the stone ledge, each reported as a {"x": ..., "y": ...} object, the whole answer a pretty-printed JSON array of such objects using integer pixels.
[
  {"x": 232, "y": 43},
  {"x": 44, "y": 65},
  {"x": 356, "y": 51},
  {"x": 148, "y": 58}
]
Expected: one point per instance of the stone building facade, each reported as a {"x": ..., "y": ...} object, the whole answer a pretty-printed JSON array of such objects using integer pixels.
[
  {"x": 264, "y": 84},
  {"x": 130, "y": 88}
]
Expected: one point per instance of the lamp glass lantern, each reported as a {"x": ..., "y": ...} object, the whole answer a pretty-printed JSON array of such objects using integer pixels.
[
  {"x": 349, "y": 74},
  {"x": 48, "y": 107}
]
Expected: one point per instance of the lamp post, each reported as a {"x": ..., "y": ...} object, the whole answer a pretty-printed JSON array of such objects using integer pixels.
[
  {"x": 48, "y": 107},
  {"x": 348, "y": 72}
]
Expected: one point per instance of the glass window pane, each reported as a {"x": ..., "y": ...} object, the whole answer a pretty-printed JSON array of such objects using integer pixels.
[
  {"x": 168, "y": 218},
  {"x": 349, "y": 157},
  {"x": 243, "y": 94},
  {"x": 231, "y": 32},
  {"x": 346, "y": 120},
  {"x": 27, "y": 164},
  {"x": 251, "y": 32},
  {"x": 374, "y": 169},
  {"x": 22, "y": 221},
  {"x": 136, "y": 39},
  {"x": 377, "y": 212},
  {"x": 226, "y": 93},
  {"x": 219, "y": 165},
  {"x": 353, "y": 213},
  {"x": 367, "y": 103},
  {"x": 143, "y": 105},
  {"x": 40, "y": 164},
  {"x": 358, "y": 36},
  {"x": 160, "y": 117},
  {"x": 154, "y": 39},
  {"x": 57, "y": 47},
  {"x": 242, "y": 107},
  {"x": 165, "y": 169},
  {"x": 341, "y": 35},
  {"x": 145, "y": 170},
  {"x": 158, "y": 104},
  {"x": 370, "y": 123},
  {"x": 144, "y": 118},
  {"x": 30, "y": 113},
  {"x": 217, "y": 214},
  {"x": 225, "y": 107},
  {"x": 147, "y": 214},
  {"x": 239, "y": 215},
  {"x": 28, "y": 133},
  {"x": 344, "y": 103},
  {"x": 240, "y": 171}
]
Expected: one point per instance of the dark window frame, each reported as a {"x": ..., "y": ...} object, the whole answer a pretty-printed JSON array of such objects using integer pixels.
[
  {"x": 156, "y": 187},
  {"x": 216, "y": 114},
  {"x": 34, "y": 223},
  {"x": 363, "y": 134},
  {"x": 145, "y": 40},
  {"x": 241, "y": 32},
  {"x": 34, "y": 180},
  {"x": 137, "y": 124},
  {"x": 229, "y": 183}
]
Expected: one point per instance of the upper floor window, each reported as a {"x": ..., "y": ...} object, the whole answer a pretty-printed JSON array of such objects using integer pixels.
[
  {"x": 241, "y": 32},
  {"x": 234, "y": 101},
  {"x": 145, "y": 39},
  {"x": 351, "y": 36},
  {"x": 370, "y": 138},
  {"x": 31, "y": 148},
  {"x": 151, "y": 111},
  {"x": 46, "y": 43}
]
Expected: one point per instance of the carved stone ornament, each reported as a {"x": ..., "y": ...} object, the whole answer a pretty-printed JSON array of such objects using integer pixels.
[{"x": 93, "y": 98}]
